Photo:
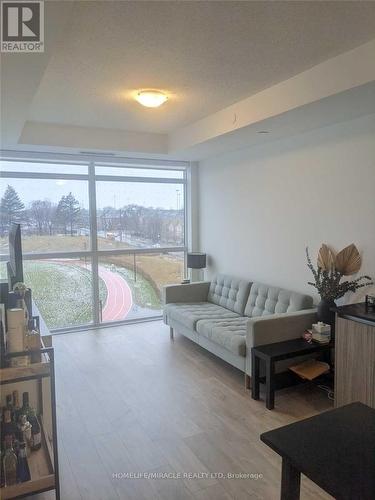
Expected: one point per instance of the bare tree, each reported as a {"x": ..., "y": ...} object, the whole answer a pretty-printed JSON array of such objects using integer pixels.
[
  {"x": 43, "y": 214},
  {"x": 108, "y": 218}
]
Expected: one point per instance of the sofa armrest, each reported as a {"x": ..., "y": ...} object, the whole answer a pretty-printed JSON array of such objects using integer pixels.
[
  {"x": 188, "y": 292},
  {"x": 278, "y": 327}
]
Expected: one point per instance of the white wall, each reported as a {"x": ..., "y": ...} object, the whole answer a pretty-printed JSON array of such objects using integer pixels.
[{"x": 260, "y": 207}]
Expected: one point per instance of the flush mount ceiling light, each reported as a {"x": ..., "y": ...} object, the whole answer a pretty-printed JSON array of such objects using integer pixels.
[{"x": 151, "y": 98}]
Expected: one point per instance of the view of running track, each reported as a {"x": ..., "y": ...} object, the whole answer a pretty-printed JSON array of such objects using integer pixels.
[{"x": 119, "y": 296}]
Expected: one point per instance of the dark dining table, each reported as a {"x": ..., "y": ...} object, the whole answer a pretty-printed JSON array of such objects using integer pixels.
[{"x": 335, "y": 449}]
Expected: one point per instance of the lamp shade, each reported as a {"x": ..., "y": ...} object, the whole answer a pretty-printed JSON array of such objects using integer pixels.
[{"x": 196, "y": 260}]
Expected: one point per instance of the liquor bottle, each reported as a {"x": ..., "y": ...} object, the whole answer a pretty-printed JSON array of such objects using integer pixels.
[
  {"x": 23, "y": 471},
  {"x": 24, "y": 427},
  {"x": 8, "y": 400},
  {"x": 9, "y": 405},
  {"x": 9, "y": 428},
  {"x": 16, "y": 406},
  {"x": 25, "y": 410},
  {"x": 9, "y": 463},
  {"x": 16, "y": 446},
  {"x": 36, "y": 435},
  {"x": 33, "y": 342}
]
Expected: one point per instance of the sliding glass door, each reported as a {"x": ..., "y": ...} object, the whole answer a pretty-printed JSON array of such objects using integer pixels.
[{"x": 99, "y": 239}]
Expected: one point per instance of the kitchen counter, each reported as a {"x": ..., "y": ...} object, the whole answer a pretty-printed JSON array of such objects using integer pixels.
[
  {"x": 357, "y": 312},
  {"x": 355, "y": 355}
]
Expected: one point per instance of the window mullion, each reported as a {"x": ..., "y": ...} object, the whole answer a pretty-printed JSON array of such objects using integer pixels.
[{"x": 94, "y": 244}]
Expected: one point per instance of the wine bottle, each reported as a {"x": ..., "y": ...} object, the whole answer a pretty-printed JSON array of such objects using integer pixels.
[
  {"x": 9, "y": 427},
  {"x": 33, "y": 344},
  {"x": 9, "y": 463},
  {"x": 16, "y": 406},
  {"x": 36, "y": 435},
  {"x": 25, "y": 410},
  {"x": 8, "y": 405},
  {"x": 23, "y": 471}
]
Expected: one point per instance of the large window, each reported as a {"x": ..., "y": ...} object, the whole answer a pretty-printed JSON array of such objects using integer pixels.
[{"x": 99, "y": 239}]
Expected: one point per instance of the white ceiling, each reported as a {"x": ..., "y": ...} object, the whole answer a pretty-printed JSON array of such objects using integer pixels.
[
  {"x": 230, "y": 68},
  {"x": 206, "y": 55}
]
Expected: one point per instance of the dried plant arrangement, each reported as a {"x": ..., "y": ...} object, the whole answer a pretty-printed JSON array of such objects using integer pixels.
[{"x": 332, "y": 267}]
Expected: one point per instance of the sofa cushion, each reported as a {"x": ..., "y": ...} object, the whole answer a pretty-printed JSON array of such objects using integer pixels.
[
  {"x": 264, "y": 300},
  {"x": 229, "y": 333},
  {"x": 231, "y": 293},
  {"x": 188, "y": 314}
]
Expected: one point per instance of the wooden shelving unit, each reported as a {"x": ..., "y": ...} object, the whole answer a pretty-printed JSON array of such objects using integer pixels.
[
  {"x": 43, "y": 463},
  {"x": 11, "y": 375}
]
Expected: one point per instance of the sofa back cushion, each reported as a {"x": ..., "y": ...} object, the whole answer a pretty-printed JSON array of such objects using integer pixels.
[
  {"x": 229, "y": 292},
  {"x": 265, "y": 299}
]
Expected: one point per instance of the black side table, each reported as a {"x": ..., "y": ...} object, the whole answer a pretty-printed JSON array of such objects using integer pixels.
[
  {"x": 335, "y": 449},
  {"x": 270, "y": 354}
]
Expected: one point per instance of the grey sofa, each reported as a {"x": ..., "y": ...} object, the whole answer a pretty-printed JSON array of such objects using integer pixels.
[{"x": 228, "y": 316}]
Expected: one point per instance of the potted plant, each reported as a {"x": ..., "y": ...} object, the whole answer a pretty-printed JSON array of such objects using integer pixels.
[{"x": 331, "y": 268}]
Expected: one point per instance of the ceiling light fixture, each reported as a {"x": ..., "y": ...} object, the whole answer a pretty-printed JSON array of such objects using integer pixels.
[{"x": 151, "y": 98}]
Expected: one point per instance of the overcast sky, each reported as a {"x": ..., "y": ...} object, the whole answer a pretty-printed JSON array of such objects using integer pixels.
[{"x": 115, "y": 194}]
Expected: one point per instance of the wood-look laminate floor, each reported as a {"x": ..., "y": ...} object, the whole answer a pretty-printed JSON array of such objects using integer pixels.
[{"x": 129, "y": 400}]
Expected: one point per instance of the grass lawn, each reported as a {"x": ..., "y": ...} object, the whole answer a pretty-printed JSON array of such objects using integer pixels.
[
  {"x": 157, "y": 269},
  {"x": 60, "y": 243},
  {"x": 62, "y": 292},
  {"x": 55, "y": 243}
]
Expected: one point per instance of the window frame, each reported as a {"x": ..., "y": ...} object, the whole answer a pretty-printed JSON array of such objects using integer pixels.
[{"x": 94, "y": 253}]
